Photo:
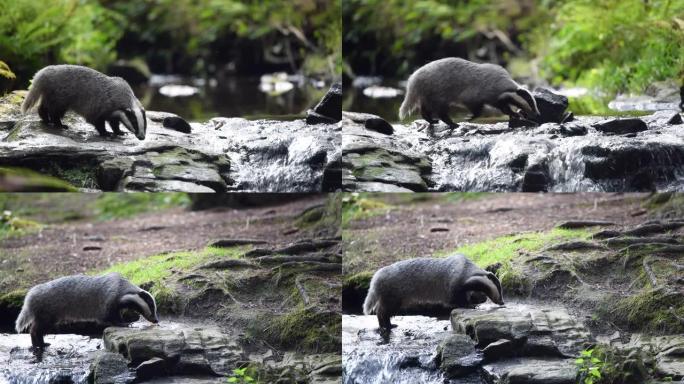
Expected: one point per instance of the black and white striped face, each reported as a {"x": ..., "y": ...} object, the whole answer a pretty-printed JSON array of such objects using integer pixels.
[
  {"x": 133, "y": 118},
  {"x": 530, "y": 104},
  {"x": 143, "y": 303}
]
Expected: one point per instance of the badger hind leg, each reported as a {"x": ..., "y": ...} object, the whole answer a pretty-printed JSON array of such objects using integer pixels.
[
  {"x": 426, "y": 113},
  {"x": 444, "y": 116},
  {"x": 37, "y": 335},
  {"x": 385, "y": 310}
]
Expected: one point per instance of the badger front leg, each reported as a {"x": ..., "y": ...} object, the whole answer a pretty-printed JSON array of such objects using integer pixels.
[
  {"x": 100, "y": 126},
  {"x": 114, "y": 124}
]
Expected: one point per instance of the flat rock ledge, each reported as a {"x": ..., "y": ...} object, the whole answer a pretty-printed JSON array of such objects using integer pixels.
[
  {"x": 223, "y": 154},
  {"x": 588, "y": 153},
  {"x": 196, "y": 354},
  {"x": 535, "y": 345}
]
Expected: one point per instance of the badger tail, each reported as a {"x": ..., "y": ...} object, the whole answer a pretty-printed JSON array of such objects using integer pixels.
[
  {"x": 370, "y": 305},
  {"x": 24, "y": 321},
  {"x": 410, "y": 103},
  {"x": 32, "y": 97}
]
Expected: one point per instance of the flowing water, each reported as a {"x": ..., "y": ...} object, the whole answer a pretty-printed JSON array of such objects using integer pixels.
[{"x": 407, "y": 357}]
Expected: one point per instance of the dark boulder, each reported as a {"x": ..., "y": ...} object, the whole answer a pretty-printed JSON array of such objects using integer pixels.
[
  {"x": 621, "y": 126},
  {"x": 551, "y": 106},
  {"x": 329, "y": 109}
]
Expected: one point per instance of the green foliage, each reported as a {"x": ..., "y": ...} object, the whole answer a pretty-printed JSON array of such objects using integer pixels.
[
  {"x": 589, "y": 367},
  {"x": 65, "y": 31},
  {"x": 119, "y": 205},
  {"x": 617, "y": 45},
  {"x": 5, "y": 71},
  {"x": 241, "y": 376}
]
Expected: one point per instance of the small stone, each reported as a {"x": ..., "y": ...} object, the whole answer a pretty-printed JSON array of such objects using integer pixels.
[
  {"x": 176, "y": 123},
  {"x": 92, "y": 248},
  {"x": 439, "y": 229},
  {"x": 458, "y": 356},
  {"x": 329, "y": 109},
  {"x": 551, "y": 106},
  {"x": 153, "y": 367},
  {"x": 498, "y": 349},
  {"x": 621, "y": 126}
]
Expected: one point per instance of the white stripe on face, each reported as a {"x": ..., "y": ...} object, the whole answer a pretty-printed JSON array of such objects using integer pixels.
[
  {"x": 138, "y": 115},
  {"x": 147, "y": 312}
]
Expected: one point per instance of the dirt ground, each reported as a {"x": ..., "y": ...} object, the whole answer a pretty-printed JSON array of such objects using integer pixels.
[
  {"x": 80, "y": 246},
  {"x": 423, "y": 227}
]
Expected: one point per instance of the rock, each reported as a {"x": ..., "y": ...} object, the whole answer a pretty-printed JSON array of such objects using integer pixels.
[
  {"x": 573, "y": 224},
  {"x": 110, "y": 368},
  {"x": 621, "y": 126},
  {"x": 458, "y": 356},
  {"x": 551, "y": 106},
  {"x": 92, "y": 248},
  {"x": 371, "y": 122},
  {"x": 573, "y": 130},
  {"x": 329, "y": 109},
  {"x": 439, "y": 229},
  {"x": 607, "y": 234},
  {"x": 658, "y": 118},
  {"x": 176, "y": 123},
  {"x": 531, "y": 371},
  {"x": 184, "y": 349},
  {"x": 153, "y": 367},
  {"x": 562, "y": 334},
  {"x": 261, "y": 155},
  {"x": 499, "y": 349}
]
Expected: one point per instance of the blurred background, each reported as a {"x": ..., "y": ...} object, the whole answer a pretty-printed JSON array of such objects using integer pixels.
[
  {"x": 196, "y": 58},
  {"x": 610, "y": 57}
]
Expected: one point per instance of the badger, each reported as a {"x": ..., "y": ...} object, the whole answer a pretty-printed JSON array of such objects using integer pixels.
[
  {"x": 452, "y": 282},
  {"x": 93, "y": 95},
  {"x": 81, "y": 298},
  {"x": 436, "y": 86}
]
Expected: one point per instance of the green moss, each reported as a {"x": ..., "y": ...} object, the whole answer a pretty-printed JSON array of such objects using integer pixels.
[
  {"x": 13, "y": 300},
  {"x": 360, "y": 206},
  {"x": 303, "y": 329},
  {"x": 120, "y": 205},
  {"x": 359, "y": 280},
  {"x": 154, "y": 269},
  {"x": 28, "y": 180},
  {"x": 513, "y": 280},
  {"x": 11, "y": 226},
  {"x": 505, "y": 248},
  {"x": 653, "y": 311}
]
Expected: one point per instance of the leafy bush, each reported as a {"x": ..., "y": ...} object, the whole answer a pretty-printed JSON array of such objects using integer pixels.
[{"x": 65, "y": 31}]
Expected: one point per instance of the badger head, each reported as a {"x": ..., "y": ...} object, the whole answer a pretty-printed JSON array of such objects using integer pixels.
[
  {"x": 523, "y": 100},
  {"x": 143, "y": 303},
  {"x": 486, "y": 283},
  {"x": 133, "y": 118}
]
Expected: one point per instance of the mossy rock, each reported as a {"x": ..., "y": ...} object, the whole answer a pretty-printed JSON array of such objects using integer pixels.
[
  {"x": 354, "y": 291},
  {"x": 303, "y": 330},
  {"x": 655, "y": 311},
  {"x": 24, "y": 180},
  {"x": 10, "y": 306}
]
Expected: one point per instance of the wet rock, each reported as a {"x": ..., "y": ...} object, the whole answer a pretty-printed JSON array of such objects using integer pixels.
[
  {"x": 551, "y": 106},
  {"x": 621, "y": 126},
  {"x": 176, "y": 123},
  {"x": 264, "y": 156},
  {"x": 572, "y": 130},
  {"x": 663, "y": 117},
  {"x": 552, "y": 330},
  {"x": 110, "y": 368},
  {"x": 508, "y": 160},
  {"x": 184, "y": 349},
  {"x": 153, "y": 367},
  {"x": 531, "y": 371},
  {"x": 499, "y": 349},
  {"x": 667, "y": 349},
  {"x": 329, "y": 109},
  {"x": 458, "y": 356},
  {"x": 371, "y": 122}
]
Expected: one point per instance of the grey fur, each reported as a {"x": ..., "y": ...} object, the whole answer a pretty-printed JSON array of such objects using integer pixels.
[
  {"x": 93, "y": 95},
  {"x": 436, "y": 86},
  {"x": 452, "y": 282},
  {"x": 81, "y": 298}
]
